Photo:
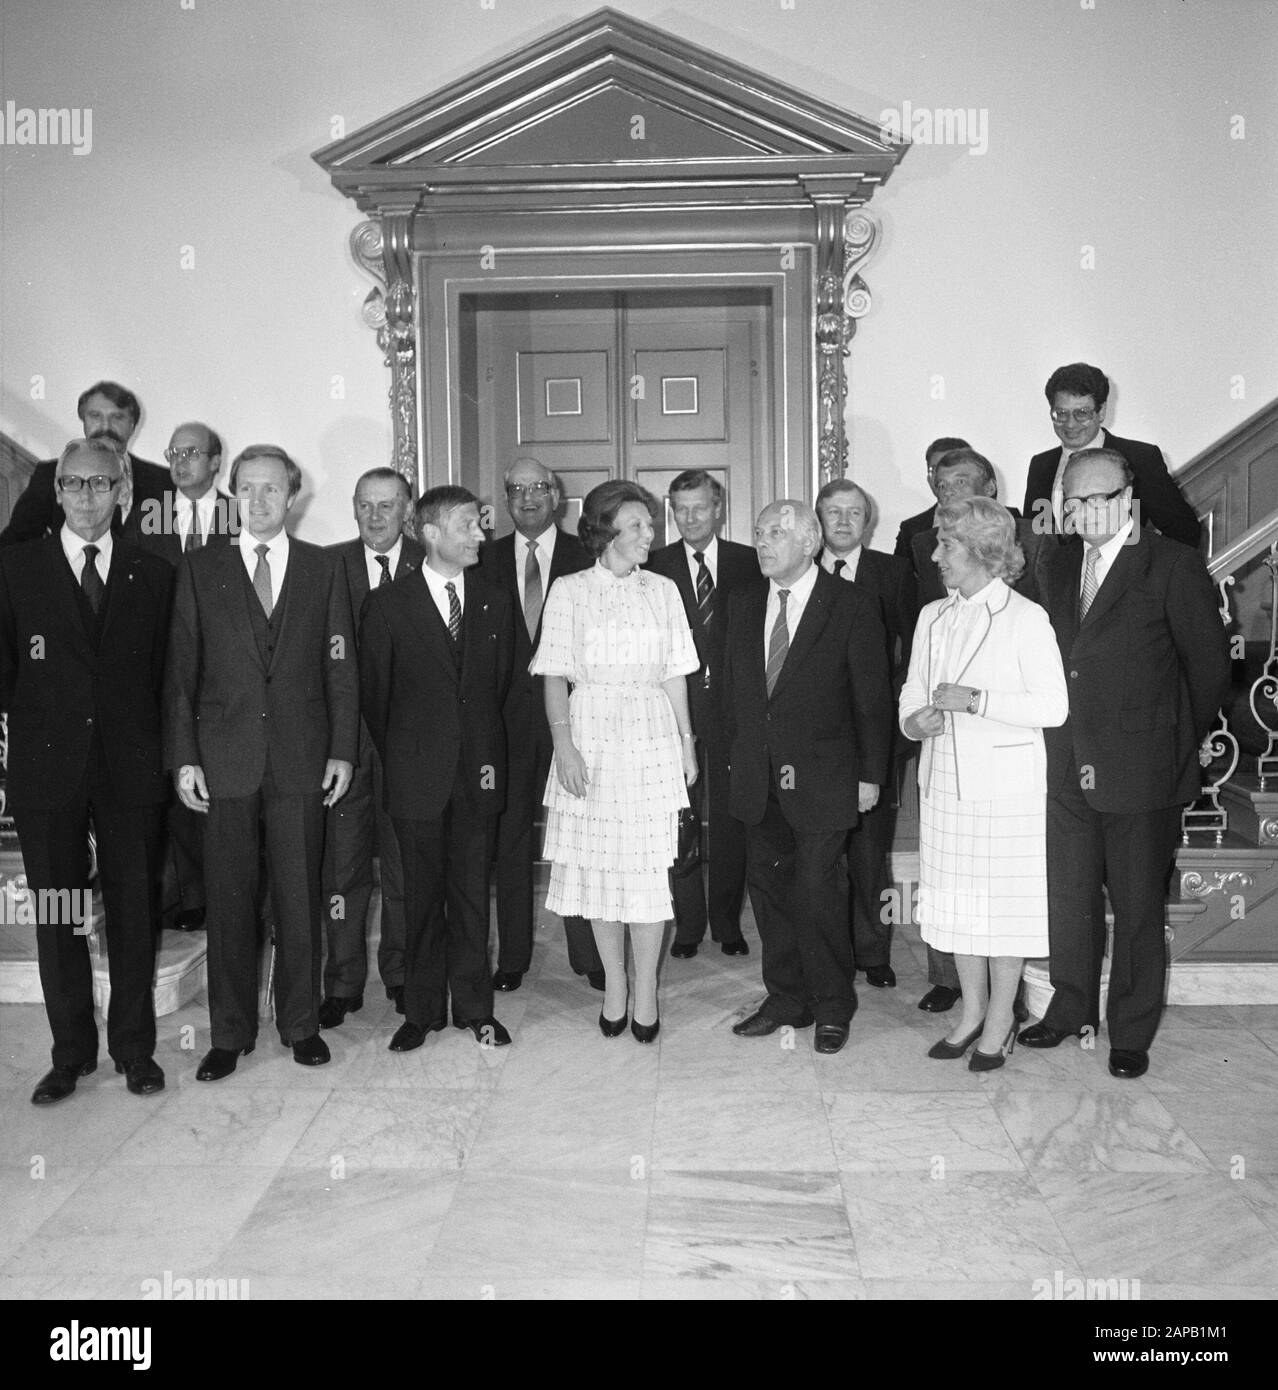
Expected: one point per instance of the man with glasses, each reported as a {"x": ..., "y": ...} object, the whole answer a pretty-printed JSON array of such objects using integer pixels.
[
  {"x": 1077, "y": 395},
  {"x": 106, "y": 411},
  {"x": 193, "y": 512},
  {"x": 525, "y": 564},
  {"x": 359, "y": 826},
  {"x": 84, "y": 623},
  {"x": 1147, "y": 663}
]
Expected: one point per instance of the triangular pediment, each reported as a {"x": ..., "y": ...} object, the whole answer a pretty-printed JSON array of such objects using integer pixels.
[{"x": 604, "y": 95}]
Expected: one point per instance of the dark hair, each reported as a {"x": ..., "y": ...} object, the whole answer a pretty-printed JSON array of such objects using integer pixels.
[
  {"x": 599, "y": 512},
  {"x": 119, "y": 397},
  {"x": 1078, "y": 379},
  {"x": 267, "y": 451},
  {"x": 385, "y": 475},
  {"x": 692, "y": 478},
  {"x": 959, "y": 456},
  {"x": 436, "y": 502},
  {"x": 944, "y": 445}
]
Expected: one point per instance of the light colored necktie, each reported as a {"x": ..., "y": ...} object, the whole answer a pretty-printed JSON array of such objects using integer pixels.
[
  {"x": 262, "y": 580},
  {"x": 778, "y": 644},
  {"x": 532, "y": 591},
  {"x": 91, "y": 580},
  {"x": 384, "y": 561},
  {"x": 1089, "y": 582},
  {"x": 705, "y": 590},
  {"x": 454, "y": 612}
]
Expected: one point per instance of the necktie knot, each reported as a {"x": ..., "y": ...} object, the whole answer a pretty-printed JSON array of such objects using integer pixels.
[
  {"x": 261, "y": 551},
  {"x": 839, "y": 567},
  {"x": 91, "y": 553}
]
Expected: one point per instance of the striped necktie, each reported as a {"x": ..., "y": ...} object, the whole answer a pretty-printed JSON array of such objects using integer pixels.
[
  {"x": 454, "y": 612},
  {"x": 705, "y": 590},
  {"x": 778, "y": 644},
  {"x": 532, "y": 591},
  {"x": 1089, "y": 582}
]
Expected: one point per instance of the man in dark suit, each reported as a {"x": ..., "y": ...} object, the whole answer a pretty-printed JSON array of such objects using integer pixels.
[
  {"x": 525, "y": 564},
  {"x": 810, "y": 716},
  {"x": 845, "y": 512},
  {"x": 261, "y": 731},
  {"x": 706, "y": 570},
  {"x": 1077, "y": 395},
  {"x": 435, "y": 654},
  {"x": 1147, "y": 662},
  {"x": 192, "y": 513},
  {"x": 83, "y": 628},
  {"x": 358, "y": 826},
  {"x": 106, "y": 410},
  {"x": 925, "y": 520}
]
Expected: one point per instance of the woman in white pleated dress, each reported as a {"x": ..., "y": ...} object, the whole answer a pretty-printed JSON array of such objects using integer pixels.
[
  {"x": 985, "y": 679},
  {"x": 623, "y": 745}
]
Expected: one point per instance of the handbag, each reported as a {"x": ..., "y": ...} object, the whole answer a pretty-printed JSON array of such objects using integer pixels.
[{"x": 689, "y": 847}]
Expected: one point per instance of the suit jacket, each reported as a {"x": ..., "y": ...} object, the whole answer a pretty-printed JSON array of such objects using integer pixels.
[
  {"x": 737, "y": 564},
  {"x": 828, "y": 723},
  {"x": 350, "y": 554},
  {"x": 911, "y": 527},
  {"x": 890, "y": 582},
  {"x": 225, "y": 704},
  {"x": 1161, "y": 502},
  {"x": 152, "y": 525},
  {"x": 37, "y": 512},
  {"x": 431, "y": 716},
  {"x": 60, "y": 681},
  {"x": 1010, "y": 654},
  {"x": 1147, "y": 670},
  {"x": 931, "y": 590},
  {"x": 526, "y": 703}
]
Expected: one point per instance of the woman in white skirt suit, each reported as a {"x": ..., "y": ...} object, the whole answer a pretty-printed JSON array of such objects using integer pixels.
[
  {"x": 623, "y": 745},
  {"x": 985, "y": 679}
]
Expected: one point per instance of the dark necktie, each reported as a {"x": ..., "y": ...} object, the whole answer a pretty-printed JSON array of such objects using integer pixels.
[
  {"x": 384, "y": 561},
  {"x": 532, "y": 591},
  {"x": 262, "y": 580},
  {"x": 454, "y": 613},
  {"x": 1089, "y": 582},
  {"x": 778, "y": 644},
  {"x": 839, "y": 567},
  {"x": 705, "y": 590},
  {"x": 193, "y": 538},
  {"x": 91, "y": 580}
]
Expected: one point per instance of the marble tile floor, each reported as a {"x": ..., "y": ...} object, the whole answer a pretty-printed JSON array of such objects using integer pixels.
[{"x": 705, "y": 1166}]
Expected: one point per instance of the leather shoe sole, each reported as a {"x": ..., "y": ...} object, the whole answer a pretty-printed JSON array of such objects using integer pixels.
[
  {"x": 1127, "y": 1063},
  {"x": 143, "y": 1077},
  {"x": 830, "y": 1037},
  {"x": 58, "y": 1083},
  {"x": 940, "y": 999}
]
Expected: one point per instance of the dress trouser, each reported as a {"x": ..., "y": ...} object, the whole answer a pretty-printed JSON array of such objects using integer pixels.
[
  {"x": 527, "y": 767},
  {"x": 355, "y": 829},
  {"x": 799, "y": 895},
  {"x": 869, "y": 884},
  {"x": 1132, "y": 855},
  {"x": 294, "y": 842},
  {"x": 186, "y": 837},
  {"x": 55, "y": 856},
  {"x": 724, "y": 879},
  {"x": 446, "y": 913}
]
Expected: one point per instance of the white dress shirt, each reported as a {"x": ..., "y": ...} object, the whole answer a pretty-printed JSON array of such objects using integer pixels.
[
  {"x": 850, "y": 561},
  {"x": 374, "y": 569},
  {"x": 799, "y": 593},
  {"x": 1108, "y": 553},
  {"x": 435, "y": 584},
  {"x": 276, "y": 558},
  {"x": 206, "y": 508},
  {"x": 73, "y": 549},
  {"x": 1058, "y": 483},
  {"x": 545, "y": 553},
  {"x": 711, "y": 552}
]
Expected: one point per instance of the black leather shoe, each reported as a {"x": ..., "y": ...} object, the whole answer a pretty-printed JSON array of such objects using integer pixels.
[
  {"x": 881, "y": 976},
  {"x": 409, "y": 1036},
  {"x": 507, "y": 980},
  {"x": 1128, "y": 1063},
  {"x": 598, "y": 979},
  {"x": 680, "y": 951},
  {"x": 760, "y": 1026},
  {"x": 333, "y": 1011},
  {"x": 395, "y": 993},
  {"x": 189, "y": 919},
  {"x": 645, "y": 1032},
  {"x": 143, "y": 1077},
  {"x": 1040, "y": 1035},
  {"x": 940, "y": 999},
  {"x": 488, "y": 1032},
  {"x": 736, "y": 948},
  {"x": 312, "y": 1051},
  {"x": 219, "y": 1062},
  {"x": 58, "y": 1084},
  {"x": 830, "y": 1037}
]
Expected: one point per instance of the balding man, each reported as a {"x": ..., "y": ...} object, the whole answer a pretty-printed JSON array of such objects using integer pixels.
[
  {"x": 1147, "y": 665},
  {"x": 808, "y": 700},
  {"x": 845, "y": 511},
  {"x": 83, "y": 630},
  {"x": 525, "y": 564}
]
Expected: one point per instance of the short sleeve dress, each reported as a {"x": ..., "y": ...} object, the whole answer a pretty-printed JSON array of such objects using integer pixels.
[{"x": 616, "y": 638}]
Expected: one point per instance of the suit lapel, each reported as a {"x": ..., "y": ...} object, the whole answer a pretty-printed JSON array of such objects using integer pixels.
[
  {"x": 428, "y": 626},
  {"x": 1128, "y": 564},
  {"x": 408, "y": 562},
  {"x": 63, "y": 584}
]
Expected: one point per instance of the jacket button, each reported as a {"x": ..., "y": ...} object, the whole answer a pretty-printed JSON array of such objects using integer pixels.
[
  {"x": 1073, "y": 675},
  {"x": 89, "y": 721}
]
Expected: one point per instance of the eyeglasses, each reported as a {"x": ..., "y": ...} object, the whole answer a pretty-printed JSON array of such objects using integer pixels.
[
  {"x": 534, "y": 490},
  {"x": 184, "y": 455},
  {"x": 1079, "y": 417},
  {"x": 1072, "y": 505},
  {"x": 72, "y": 482}
]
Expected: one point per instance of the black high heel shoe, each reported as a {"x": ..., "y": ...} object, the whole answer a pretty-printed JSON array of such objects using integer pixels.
[
  {"x": 945, "y": 1051},
  {"x": 645, "y": 1032},
  {"x": 986, "y": 1061},
  {"x": 612, "y": 1027}
]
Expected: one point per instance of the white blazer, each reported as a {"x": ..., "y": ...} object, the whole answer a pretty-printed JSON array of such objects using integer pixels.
[{"x": 1011, "y": 654}]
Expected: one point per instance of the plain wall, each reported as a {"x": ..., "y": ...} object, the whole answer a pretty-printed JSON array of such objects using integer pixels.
[{"x": 1108, "y": 127}]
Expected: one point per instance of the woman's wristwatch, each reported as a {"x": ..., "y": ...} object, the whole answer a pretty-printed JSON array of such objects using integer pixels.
[{"x": 973, "y": 700}]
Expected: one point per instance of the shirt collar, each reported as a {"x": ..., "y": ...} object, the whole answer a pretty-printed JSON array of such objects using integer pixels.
[
  {"x": 1108, "y": 552},
  {"x": 801, "y": 587},
  {"x": 849, "y": 559},
  {"x": 436, "y": 581},
  {"x": 711, "y": 552},
  {"x": 73, "y": 545},
  {"x": 277, "y": 547},
  {"x": 370, "y": 555}
]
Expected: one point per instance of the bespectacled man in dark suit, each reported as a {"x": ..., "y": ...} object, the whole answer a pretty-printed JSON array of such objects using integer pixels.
[
  {"x": 84, "y": 619},
  {"x": 525, "y": 564},
  {"x": 846, "y": 513},
  {"x": 358, "y": 826},
  {"x": 706, "y": 569}
]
